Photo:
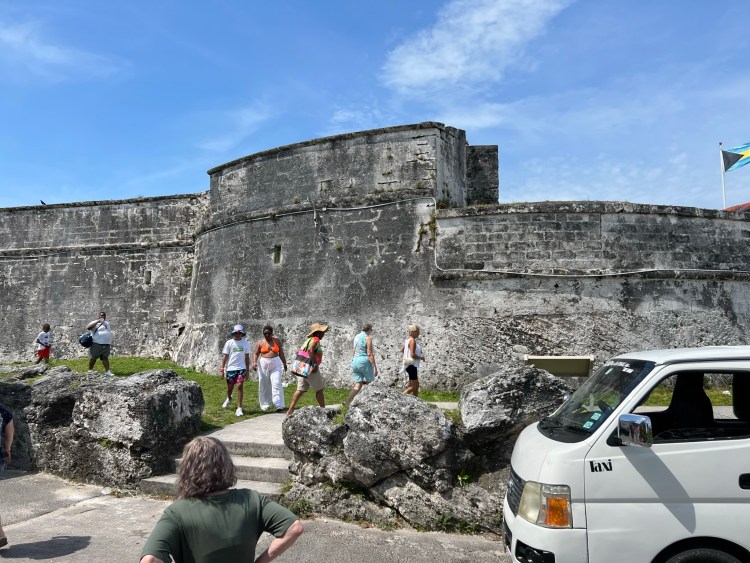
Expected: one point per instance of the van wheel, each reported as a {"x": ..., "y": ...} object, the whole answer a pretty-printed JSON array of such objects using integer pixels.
[{"x": 703, "y": 555}]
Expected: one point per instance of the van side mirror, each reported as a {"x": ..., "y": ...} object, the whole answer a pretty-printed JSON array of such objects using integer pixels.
[{"x": 635, "y": 430}]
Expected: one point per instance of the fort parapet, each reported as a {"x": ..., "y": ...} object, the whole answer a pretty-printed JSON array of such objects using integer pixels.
[{"x": 389, "y": 226}]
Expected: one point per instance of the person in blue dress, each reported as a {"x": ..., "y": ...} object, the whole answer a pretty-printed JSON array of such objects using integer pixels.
[{"x": 364, "y": 369}]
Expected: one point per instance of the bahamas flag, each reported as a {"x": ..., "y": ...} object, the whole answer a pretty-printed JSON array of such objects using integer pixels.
[{"x": 736, "y": 157}]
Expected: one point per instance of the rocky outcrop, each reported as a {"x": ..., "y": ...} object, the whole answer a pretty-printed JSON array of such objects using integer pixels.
[
  {"x": 394, "y": 456},
  {"x": 496, "y": 408},
  {"x": 110, "y": 431},
  {"x": 24, "y": 372}
]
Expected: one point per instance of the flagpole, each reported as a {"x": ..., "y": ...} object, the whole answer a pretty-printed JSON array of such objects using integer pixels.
[{"x": 723, "y": 187}]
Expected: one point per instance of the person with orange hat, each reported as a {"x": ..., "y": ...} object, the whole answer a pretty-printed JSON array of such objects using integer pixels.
[
  {"x": 235, "y": 361},
  {"x": 314, "y": 348}
]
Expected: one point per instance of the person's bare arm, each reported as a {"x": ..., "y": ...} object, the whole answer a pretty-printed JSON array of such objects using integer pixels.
[
  {"x": 224, "y": 359},
  {"x": 280, "y": 545},
  {"x": 281, "y": 352},
  {"x": 150, "y": 559},
  {"x": 10, "y": 431},
  {"x": 256, "y": 355},
  {"x": 371, "y": 354}
]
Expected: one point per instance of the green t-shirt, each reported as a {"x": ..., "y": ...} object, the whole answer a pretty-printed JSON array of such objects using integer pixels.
[{"x": 223, "y": 527}]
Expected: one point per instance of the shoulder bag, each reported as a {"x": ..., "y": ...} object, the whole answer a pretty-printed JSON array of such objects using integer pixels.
[
  {"x": 304, "y": 363},
  {"x": 87, "y": 338}
]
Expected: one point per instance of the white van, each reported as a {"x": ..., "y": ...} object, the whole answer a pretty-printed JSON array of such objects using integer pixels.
[{"x": 639, "y": 465}]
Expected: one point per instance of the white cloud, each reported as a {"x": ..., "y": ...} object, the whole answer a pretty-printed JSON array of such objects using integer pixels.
[
  {"x": 472, "y": 41},
  {"x": 355, "y": 118},
  {"x": 238, "y": 125},
  {"x": 23, "y": 46}
]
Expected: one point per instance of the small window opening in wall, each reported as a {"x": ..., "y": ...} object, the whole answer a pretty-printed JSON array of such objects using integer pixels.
[
  {"x": 147, "y": 277},
  {"x": 277, "y": 254}
]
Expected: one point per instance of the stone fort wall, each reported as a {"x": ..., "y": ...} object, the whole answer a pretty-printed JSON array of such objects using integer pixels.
[{"x": 374, "y": 226}]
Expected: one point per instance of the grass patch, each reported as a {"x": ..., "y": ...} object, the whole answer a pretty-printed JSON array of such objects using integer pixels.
[
  {"x": 662, "y": 396},
  {"x": 454, "y": 415},
  {"x": 215, "y": 389},
  {"x": 301, "y": 507},
  {"x": 439, "y": 396}
]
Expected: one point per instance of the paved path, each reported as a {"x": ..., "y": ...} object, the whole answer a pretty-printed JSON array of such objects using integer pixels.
[{"x": 50, "y": 519}]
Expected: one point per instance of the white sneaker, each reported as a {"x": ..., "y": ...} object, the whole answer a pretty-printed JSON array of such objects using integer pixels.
[
  {"x": 239, "y": 412},
  {"x": 265, "y": 408},
  {"x": 109, "y": 373},
  {"x": 226, "y": 402}
]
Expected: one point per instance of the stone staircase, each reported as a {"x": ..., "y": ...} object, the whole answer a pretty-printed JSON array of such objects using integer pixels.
[{"x": 260, "y": 457}]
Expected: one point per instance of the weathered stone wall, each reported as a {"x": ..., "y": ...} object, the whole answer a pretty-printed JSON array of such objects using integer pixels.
[
  {"x": 395, "y": 163},
  {"x": 345, "y": 230},
  {"x": 588, "y": 237},
  {"x": 336, "y": 230},
  {"x": 482, "y": 174},
  {"x": 344, "y": 267},
  {"x": 62, "y": 264}
]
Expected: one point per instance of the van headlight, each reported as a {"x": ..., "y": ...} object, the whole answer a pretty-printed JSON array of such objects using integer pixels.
[{"x": 546, "y": 505}]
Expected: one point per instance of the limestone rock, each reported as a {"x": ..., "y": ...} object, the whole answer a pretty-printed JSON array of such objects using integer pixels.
[
  {"x": 311, "y": 432},
  {"x": 111, "y": 431},
  {"x": 26, "y": 372},
  {"x": 463, "y": 509},
  {"x": 496, "y": 409},
  {"x": 344, "y": 503},
  {"x": 390, "y": 432}
]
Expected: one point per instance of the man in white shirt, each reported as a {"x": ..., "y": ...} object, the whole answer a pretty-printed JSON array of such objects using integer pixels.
[{"x": 102, "y": 334}]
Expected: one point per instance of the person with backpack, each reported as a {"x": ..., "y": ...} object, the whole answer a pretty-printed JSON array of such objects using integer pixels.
[
  {"x": 314, "y": 349},
  {"x": 102, "y": 333}
]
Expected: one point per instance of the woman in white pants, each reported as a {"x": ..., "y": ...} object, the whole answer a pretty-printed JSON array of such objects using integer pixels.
[{"x": 269, "y": 361}]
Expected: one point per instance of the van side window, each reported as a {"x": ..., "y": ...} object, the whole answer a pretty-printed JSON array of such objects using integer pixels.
[{"x": 697, "y": 405}]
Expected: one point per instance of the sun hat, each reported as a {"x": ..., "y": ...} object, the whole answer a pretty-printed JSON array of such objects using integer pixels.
[
  {"x": 238, "y": 328},
  {"x": 317, "y": 327}
]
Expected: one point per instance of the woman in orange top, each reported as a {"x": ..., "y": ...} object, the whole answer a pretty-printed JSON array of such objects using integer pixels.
[{"x": 268, "y": 360}]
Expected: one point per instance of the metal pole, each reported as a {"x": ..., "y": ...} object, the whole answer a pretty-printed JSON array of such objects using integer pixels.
[{"x": 723, "y": 187}]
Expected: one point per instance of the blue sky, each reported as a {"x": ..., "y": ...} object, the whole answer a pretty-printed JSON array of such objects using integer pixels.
[{"x": 587, "y": 99}]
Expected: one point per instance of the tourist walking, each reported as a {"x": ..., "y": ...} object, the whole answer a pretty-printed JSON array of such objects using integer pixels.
[
  {"x": 270, "y": 363},
  {"x": 364, "y": 369},
  {"x": 235, "y": 361},
  {"x": 102, "y": 334},
  {"x": 43, "y": 344},
  {"x": 211, "y": 522},
  {"x": 313, "y": 347},
  {"x": 7, "y": 430},
  {"x": 412, "y": 356}
]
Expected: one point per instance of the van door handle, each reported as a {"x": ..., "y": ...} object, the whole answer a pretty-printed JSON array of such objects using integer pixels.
[{"x": 745, "y": 481}]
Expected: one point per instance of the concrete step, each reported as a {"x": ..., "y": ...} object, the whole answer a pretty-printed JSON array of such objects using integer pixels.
[
  {"x": 271, "y": 469},
  {"x": 166, "y": 485},
  {"x": 258, "y": 449}
]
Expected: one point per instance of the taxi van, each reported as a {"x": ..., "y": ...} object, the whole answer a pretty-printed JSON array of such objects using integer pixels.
[{"x": 639, "y": 465}]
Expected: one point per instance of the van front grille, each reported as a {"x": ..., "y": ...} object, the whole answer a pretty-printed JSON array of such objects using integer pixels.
[{"x": 514, "y": 490}]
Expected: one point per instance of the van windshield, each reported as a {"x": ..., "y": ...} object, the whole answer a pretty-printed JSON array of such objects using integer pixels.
[{"x": 593, "y": 402}]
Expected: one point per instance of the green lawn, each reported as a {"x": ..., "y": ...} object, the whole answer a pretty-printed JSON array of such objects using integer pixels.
[
  {"x": 215, "y": 389},
  {"x": 661, "y": 397}
]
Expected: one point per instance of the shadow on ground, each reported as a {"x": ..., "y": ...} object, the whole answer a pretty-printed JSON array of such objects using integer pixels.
[{"x": 58, "y": 545}]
